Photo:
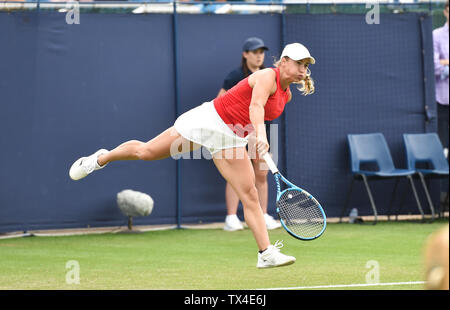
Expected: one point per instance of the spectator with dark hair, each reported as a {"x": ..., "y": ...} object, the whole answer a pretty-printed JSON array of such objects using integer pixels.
[{"x": 253, "y": 52}]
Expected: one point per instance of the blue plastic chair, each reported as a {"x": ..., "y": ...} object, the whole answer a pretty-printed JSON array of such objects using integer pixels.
[
  {"x": 426, "y": 148},
  {"x": 373, "y": 149}
]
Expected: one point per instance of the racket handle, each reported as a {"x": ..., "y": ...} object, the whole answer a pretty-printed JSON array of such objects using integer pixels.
[{"x": 269, "y": 161}]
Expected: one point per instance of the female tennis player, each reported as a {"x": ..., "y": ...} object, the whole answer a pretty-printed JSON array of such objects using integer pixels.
[{"x": 225, "y": 126}]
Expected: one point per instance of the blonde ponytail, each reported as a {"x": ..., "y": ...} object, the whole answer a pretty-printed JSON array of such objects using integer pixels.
[{"x": 307, "y": 85}]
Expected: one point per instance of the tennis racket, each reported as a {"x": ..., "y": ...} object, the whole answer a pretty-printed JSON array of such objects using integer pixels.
[{"x": 300, "y": 213}]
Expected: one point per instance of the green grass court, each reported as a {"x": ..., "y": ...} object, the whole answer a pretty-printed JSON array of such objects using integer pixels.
[{"x": 213, "y": 259}]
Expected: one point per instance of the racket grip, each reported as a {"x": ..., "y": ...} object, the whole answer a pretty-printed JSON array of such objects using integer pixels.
[{"x": 269, "y": 161}]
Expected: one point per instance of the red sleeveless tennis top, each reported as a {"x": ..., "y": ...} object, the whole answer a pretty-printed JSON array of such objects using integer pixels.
[{"x": 233, "y": 106}]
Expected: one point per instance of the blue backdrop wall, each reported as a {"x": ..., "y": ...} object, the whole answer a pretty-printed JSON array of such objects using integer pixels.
[{"x": 67, "y": 90}]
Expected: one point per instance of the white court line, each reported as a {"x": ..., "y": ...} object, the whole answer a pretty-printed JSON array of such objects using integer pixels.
[{"x": 344, "y": 285}]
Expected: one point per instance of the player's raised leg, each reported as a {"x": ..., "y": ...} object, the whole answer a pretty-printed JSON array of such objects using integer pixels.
[{"x": 168, "y": 143}]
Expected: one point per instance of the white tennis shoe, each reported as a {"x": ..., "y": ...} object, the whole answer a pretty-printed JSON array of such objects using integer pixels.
[
  {"x": 270, "y": 222},
  {"x": 272, "y": 257},
  {"x": 232, "y": 223},
  {"x": 85, "y": 165}
]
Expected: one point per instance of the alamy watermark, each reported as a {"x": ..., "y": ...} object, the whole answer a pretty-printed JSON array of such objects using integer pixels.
[
  {"x": 73, "y": 12},
  {"x": 373, "y": 15},
  {"x": 73, "y": 272},
  {"x": 373, "y": 275},
  {"x": 210, "y": 143}
]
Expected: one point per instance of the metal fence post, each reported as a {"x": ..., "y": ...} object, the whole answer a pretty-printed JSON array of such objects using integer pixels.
[{"x": 177, "y": 108}]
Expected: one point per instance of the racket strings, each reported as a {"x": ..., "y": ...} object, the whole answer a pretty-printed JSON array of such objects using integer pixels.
[{"x": 301, "y": 213}]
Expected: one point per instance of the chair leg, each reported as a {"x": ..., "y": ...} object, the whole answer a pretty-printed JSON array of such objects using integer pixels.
[
  {"x": 372, "y": 202},
  {"x": 411, "y": 181},
  {"x": 402, "y": 201},
  {"x": 425, "y": 188},
  {"x": 392, "y": 199},
  {"x": 347, "y": 201},
  {"x": 442, "y": 205},
  {"x": 446, "y": 201}
]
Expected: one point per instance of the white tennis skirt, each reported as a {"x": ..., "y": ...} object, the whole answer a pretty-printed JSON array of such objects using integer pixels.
[{"x": 204, "y": 126}]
